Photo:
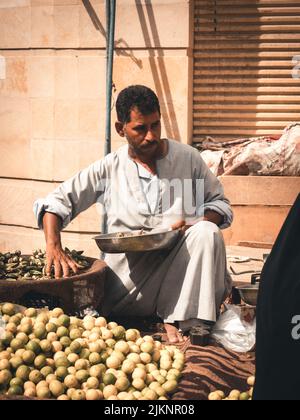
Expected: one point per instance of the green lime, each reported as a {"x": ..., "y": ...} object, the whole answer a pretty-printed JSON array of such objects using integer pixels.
[
  {"x": 40, "y": 361},
  {"x": 61, "y": 372},
  {"x": 16, "y": 382},
  {"x": 23, "y": 373},
  {"x": 64, "y": 321},
  {"x": 34, "y": 346},
  {"x": 8, "y": 309},
  {"x": 15, "y": 390},
  {"x": 5, "y": 377},
  {"x": 109, "y": 379}
]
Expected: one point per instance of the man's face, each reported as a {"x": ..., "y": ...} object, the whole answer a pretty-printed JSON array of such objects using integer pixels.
[{"x": 143, "y": 133}]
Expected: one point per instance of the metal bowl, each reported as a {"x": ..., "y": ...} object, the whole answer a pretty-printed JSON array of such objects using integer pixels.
[
  {"x": 137, "y": 241},
  {"x": 249, "y": 293}
]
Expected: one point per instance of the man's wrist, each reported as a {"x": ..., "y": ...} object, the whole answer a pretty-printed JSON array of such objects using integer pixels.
[
  {"x": 214, "y": 217},
  {"x": 209, "y": 216},
  {"x": 53, "y": 242},
  {"x": 52, "y": 226}
]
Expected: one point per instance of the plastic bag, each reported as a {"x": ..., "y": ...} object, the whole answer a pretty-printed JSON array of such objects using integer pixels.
[
  {"x": 233, "y": 332},
  {"x": 2, "y": 327}
]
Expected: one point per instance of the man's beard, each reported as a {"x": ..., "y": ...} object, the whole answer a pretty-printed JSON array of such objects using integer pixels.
[{"x": 150, "y": 149}]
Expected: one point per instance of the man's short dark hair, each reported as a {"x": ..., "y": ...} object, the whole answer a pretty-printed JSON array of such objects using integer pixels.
[{"x": 137, "y": 96}]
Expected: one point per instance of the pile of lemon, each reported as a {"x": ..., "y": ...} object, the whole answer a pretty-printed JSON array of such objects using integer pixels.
[
  {"x": 235, "y": 394},
  {"x": 47, "y": 354}
]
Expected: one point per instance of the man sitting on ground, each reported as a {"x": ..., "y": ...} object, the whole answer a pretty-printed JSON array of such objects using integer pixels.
[{"x": 149, "y": 183}]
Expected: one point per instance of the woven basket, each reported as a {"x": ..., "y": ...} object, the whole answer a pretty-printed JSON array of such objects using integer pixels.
[{"x": 72, "y": 294}]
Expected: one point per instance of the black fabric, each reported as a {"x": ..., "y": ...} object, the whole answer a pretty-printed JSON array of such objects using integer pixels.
[{"x": 277, "y": 353}]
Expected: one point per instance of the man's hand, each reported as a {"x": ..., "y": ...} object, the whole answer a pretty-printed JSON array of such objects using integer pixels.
[
  {"x": 213, "y": 217},
  {"x": 54, "y": 253},
  {"x": 209, "y": 216},
  {"x": 62, "y": 262},
  {"x": 181, "y": 226}
]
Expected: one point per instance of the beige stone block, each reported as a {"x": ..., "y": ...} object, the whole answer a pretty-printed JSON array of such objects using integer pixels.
[
  {"x": 256, "y": 224},
  {"x": 71, "y": 156},
  {"x": 42, "y": 118},
  {"x": 42, "y": 160},
  {"x": 4, "y": 4},
  {"x": 42, "y": 3},
  {"x": 88, "y": 221},
  {"x": 66, "y": 26},
  {"x": 90, "y": 152},
  {"x": 66, "y": 158},
  {"x": 41, "y": 76},
  {"x": 66, "y": 77},
  {"x": 15, "y": 158},
  {"x": 16, "y": 205},
  {"x": 66, "y": 2},
  {"x": 28, "y": 239},
  {"x": 15, "y": 83},
  {"x": 92, "y": 25},
  {"x": 260, "y": 206},
  {"x": 58, "y": 160},
  {"x": 162, "y": 75},
  {"x": 66, "y": 119},
  {"x": 154, "y": 24},
  {"x": 15, "y": 27},
  {"x": 18, "y": 197},
  {"x": 92, "y": 77},
  {"x": 91, "y": 119},
  {"x": 14, "y": 121},
  {"x": 14, "y": 137},
  {"x": 17, "y": 238},
  {"x": 261, "y": 190},
  {"x": 42, "y": 26}
]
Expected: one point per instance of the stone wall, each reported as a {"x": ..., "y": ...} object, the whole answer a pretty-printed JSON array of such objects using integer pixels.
[
  {"x": 260, "y": 205},
  {"x": 52, "y": 109}
]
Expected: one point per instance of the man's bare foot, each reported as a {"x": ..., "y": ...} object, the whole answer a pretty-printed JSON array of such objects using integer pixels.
[{"x": 174, "y": 335}]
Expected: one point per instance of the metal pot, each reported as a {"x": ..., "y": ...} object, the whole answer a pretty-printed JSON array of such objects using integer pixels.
[
  {"x": 249, "y": 293},
  {"x": 137, "y": 241}
]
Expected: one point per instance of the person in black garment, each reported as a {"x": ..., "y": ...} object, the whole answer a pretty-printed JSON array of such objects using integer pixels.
[{"x": 278, "y": 335}]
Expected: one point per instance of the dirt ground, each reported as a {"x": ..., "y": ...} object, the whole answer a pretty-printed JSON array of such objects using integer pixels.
[{"x": 213, "y": 368}]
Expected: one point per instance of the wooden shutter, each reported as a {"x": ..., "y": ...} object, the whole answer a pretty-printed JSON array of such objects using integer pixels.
[{"x": 243, "y": 52}]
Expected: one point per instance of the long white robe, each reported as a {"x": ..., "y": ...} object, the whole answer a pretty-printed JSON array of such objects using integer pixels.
[{"x": 187, "y": 282}]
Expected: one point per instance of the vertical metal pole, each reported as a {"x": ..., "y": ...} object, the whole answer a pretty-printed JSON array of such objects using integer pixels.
[
  {"x": 107, "y": 6},
  {"x": 111, "y": 9},
  {"x": 110, "y": 41}
]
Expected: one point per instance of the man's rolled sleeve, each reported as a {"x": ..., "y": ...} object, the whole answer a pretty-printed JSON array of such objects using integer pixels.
[
  {"x": 50, "y": 205},
  {"x": 213, "y": 194},
  {"x": 223, "y": 209},
  {"x": 74, "y": 195}
]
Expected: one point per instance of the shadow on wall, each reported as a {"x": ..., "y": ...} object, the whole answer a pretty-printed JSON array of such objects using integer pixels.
[
  {"x": 120, "y": 43},
  {"x": 94, "y": 17},
  {"x": 156, "y": 59},
  {"x": 159, "y": 70}
]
